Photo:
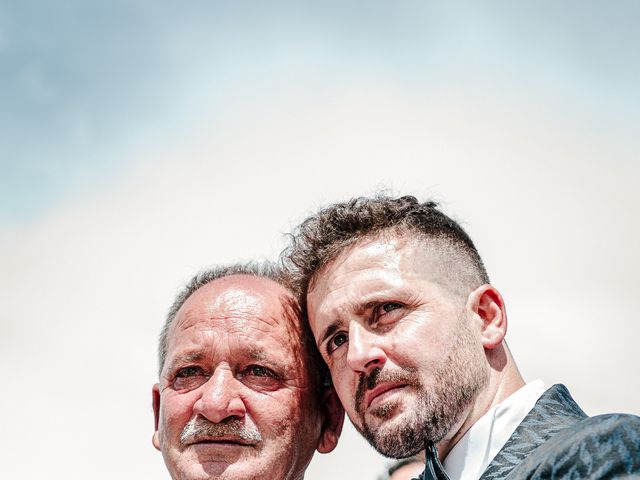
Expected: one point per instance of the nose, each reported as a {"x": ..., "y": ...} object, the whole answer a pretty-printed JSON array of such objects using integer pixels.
[
  {"x": 221, "y": 397},
  {"x": 365, "y": 350}
]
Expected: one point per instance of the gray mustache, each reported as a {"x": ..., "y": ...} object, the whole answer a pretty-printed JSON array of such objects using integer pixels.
[{"x": 199, "y": 427}]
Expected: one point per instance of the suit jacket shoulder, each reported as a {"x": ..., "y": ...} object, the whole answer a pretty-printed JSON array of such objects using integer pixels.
[
  {"x": 605, "y": 446},
  {"x": 557, "y": 440}
]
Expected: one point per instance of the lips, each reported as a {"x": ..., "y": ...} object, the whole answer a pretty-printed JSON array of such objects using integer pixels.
[
  {"x": 222, "y": 440},
  {"x": 380, "y": 391}
]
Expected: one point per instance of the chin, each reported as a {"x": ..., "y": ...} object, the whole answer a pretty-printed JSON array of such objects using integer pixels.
[
  {"x": 388, "y": 413},
  {"x": 218, "y": 470},
  {"x": 391, "y": 425},
  {"x": 397, "y": 436}
]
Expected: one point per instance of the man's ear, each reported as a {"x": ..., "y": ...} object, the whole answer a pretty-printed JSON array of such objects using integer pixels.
[
  {"x": 332, "y": 420},
  {"x": 155, "y": 393},
  {"x": 486, "y": 305}
]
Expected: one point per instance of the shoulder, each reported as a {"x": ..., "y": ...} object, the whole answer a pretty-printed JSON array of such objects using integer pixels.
[
  {"x": 603, "y": 446},
  {"x": 611, "y": 422},
  {"x": 604, "y": 435}
]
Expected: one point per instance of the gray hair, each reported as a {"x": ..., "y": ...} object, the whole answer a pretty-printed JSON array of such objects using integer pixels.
[{"x": 257, "y": 269}]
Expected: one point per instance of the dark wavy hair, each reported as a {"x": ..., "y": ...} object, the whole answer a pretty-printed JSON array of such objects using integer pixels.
[{"x": 320, "y": 238}]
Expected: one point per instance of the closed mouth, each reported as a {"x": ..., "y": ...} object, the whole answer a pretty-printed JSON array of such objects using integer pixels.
[
  {"x": 223, "y": 441},
  {"x": 380, "y": 390}
]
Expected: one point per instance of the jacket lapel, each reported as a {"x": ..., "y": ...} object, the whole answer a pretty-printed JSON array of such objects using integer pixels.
[{"x": 554, "y": 411}]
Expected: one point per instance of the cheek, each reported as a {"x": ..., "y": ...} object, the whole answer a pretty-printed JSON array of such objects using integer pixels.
[
  {"x": 176, "y": 411},
  {"x": 294, "y": 431},
  {"x": 281, "y": 417},
  {"x": 418, "y": 338},
  {"x": 345, "y": 382},
  {"x": 415, "y": 327},
  {"x": 269, "y": 412}
]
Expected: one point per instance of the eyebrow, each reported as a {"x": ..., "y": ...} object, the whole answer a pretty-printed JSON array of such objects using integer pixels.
[
  {"x": 358, "y": 308},
  {"x": 187, "y": 358},
  {"x": 330, "y": 330},
  {"x": 258, "y": 355}
]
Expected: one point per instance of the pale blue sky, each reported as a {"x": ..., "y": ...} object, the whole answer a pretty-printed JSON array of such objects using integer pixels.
[
  {"x": 143, "y": 140},
  {"x": 82, "y": 84}
]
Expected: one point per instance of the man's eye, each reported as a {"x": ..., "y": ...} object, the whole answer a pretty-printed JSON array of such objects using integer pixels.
[
  {"x": 189, "y": 378},
  {"x": 337, "y": 341},
  {"x": 389, "y": 307},
  {"x": 260, "y": 371},
  {"x": 386, "y": 307},
  {"x": 189, "y": 372},
  {"x": 386, "y": 314}
]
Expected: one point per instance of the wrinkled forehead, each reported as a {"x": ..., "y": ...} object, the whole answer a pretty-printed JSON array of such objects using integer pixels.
[{"x": 240, "y": 304}]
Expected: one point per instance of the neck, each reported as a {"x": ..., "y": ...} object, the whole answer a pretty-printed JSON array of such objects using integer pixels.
[{"x": 504, "y": 379}]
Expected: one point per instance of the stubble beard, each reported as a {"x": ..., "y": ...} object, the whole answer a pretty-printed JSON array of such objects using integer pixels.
[{"x": 456, "y": 383}]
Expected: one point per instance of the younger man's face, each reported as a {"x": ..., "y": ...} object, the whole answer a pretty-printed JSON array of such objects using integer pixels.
[{"x": 404, "y": 357}]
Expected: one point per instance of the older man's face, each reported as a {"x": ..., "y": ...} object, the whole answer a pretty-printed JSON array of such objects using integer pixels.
[
  {"x": 405, "y": 359},
  {"x": 235, "y": 398}
]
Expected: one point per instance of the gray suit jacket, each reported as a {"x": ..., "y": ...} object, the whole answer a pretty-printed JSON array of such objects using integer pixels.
[{"x": 556, "y": 440}]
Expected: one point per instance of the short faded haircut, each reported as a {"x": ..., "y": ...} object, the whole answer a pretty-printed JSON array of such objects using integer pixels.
[{"x": 322, "y": 237}]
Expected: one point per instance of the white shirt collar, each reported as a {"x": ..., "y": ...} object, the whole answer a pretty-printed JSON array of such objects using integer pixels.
[{"x": 473, "y": 453}]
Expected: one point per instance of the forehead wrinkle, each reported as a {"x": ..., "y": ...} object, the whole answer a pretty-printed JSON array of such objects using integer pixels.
[
  {"x": 267, "y": 309},
  {"x": 286, "y": 355},
  {"x": 210, "y": 329},
  {"x": 231, "y": 302},
  {"x": 247, "y": 313},
  {"x": 235, "y": 320}
]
